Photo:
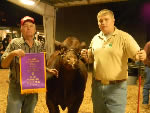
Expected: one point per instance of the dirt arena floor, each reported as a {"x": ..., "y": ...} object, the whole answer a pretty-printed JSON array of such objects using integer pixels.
[{"x": 86, "y": 106}]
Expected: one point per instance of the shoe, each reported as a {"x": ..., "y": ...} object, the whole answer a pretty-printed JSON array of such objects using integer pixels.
[{"x": 145, "y": 106}]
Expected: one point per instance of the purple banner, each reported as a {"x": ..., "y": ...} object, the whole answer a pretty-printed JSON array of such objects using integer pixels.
[{"x": 32, "y": 71}]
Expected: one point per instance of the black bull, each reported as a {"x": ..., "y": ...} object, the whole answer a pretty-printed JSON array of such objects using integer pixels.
[{"x": 68, "y": 89}]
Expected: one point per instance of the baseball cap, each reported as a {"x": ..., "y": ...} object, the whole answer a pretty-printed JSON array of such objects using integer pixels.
[{"x": 27, "y": 18}]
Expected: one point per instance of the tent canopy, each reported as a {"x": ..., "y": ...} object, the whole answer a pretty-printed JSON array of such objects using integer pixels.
[
  {"x": 47, "y": 8},
  {"x": 68, "y": 3}
]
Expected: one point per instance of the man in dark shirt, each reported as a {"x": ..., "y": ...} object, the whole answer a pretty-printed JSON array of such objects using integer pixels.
[
  {"x": 6, "y": 41},
  {"x": 146, "y": 87},
  {"x": 1, "y": 52}
]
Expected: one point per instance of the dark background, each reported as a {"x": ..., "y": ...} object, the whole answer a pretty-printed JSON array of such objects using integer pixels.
[
  {"x": 81, "y": 21},
  {"x": 11, "y": 14}
]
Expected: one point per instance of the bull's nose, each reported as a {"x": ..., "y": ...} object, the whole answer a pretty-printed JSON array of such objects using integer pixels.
[{"x": 71, "y": 61}]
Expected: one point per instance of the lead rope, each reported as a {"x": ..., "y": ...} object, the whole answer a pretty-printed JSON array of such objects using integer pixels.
[
  {"x": 88, "y": 60},
  {"x": 139, "y": 76}
]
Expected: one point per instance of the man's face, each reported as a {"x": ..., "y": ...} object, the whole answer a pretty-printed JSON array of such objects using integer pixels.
[
  {"x": 106, "y": 23},
  {"x": 28, "y": 30}
]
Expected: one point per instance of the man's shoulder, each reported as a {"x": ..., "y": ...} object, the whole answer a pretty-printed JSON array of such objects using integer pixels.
[
  {"x": 147, "y": 43},
  {"x": 17, "y": 40},
  {"x": 123, "y": 34},
  {"x": 96, "y": 36},
  {"x": 4, "y": 40}
]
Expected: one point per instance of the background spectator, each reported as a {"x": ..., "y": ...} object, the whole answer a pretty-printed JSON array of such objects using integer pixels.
[{"x": 6, "y": 41}]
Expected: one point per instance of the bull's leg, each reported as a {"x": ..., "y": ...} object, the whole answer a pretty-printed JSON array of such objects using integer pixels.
[
  {"x": 51, "y": 106},
  {"x": 74, "y": 107}
]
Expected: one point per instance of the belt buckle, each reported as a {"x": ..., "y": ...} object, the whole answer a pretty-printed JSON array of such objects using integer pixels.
[{"x": 105, "y": 82}]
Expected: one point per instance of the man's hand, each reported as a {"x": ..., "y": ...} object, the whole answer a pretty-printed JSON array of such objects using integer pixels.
[
  {"x": 18, "y": 52},
  {"x": 87, "y": 55},
  {"x": 84, "y": 54},
  {"x": 52, "y": 71},
  {"x": 141, "y": 55}
]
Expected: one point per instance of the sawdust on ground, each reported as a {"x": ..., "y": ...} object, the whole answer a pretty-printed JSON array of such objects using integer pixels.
[{"x": 86, "y": 106}]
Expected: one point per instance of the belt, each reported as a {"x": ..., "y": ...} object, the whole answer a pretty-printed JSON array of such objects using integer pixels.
[{"x": 106, "y": 82}]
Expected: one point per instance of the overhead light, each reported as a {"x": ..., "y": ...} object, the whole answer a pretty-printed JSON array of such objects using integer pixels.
[
  {"x": 28, "y": 2},
  {"x": 7, "y": 30}
]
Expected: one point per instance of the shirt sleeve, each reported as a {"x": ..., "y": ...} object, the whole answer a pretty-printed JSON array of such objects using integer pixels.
[
  {"x": 8, "y": 50},
  {"x": 131, "y": 46}
]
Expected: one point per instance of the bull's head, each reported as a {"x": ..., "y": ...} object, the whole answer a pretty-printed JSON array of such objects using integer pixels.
[
  {"x": 70, "y": 59},
  {"x": 70, "y": 49}
]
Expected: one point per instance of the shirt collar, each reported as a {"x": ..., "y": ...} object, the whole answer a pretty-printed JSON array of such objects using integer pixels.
[
  {"x": 103, "y": 37},
  {"x": 115, "y": 32},
  {"x": 23, "y": 41}
]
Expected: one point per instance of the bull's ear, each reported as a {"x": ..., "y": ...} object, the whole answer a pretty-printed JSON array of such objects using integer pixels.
[
  {"x": 83, "y": 45},
  {"x": 58, "y": 45}
]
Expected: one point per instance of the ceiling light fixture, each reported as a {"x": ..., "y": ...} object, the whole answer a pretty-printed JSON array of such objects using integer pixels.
[{"x": 28, "y": 2}]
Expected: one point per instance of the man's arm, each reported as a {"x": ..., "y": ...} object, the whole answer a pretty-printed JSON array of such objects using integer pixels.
[
  {"x": 52, "y": 71},
  {"x": 8, "y": 59},
  {"x": 147, "y": 50},
  {"x": 87, "y": 55},
  {"x": 140, "y": 55}
]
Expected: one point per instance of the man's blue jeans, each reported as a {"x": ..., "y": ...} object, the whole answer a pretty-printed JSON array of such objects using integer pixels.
[
  {"x": 146, "y": 87},
  {"x": 17, "y": 102},
  {"x": 110, "y": 98}
]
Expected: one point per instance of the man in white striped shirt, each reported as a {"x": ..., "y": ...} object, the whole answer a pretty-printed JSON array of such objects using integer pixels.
[{"x": 18, "y": 47}]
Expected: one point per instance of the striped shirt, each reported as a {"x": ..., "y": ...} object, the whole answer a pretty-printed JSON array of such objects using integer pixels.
[{"x": 19, "y": 43}]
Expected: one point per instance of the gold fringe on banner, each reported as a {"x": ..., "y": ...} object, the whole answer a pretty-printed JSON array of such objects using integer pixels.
[{"x": 27, "y": 91}]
